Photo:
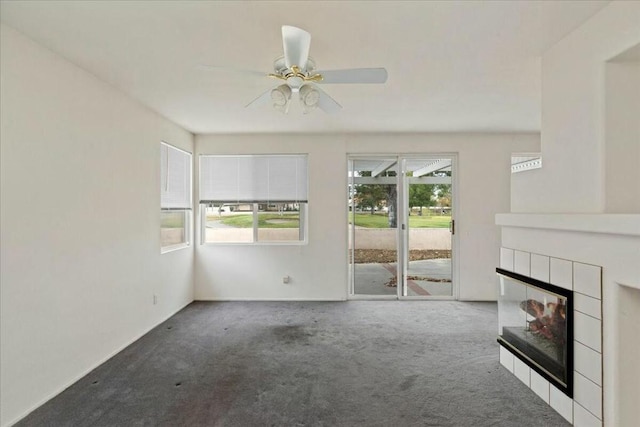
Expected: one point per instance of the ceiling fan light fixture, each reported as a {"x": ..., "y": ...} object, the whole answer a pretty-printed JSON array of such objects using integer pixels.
[
  {"x": 280, "y": 97},
  {"x": 309, "y": 96}
]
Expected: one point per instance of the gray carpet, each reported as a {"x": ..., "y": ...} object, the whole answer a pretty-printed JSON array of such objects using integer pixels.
[{"x": 357, "y": 363}]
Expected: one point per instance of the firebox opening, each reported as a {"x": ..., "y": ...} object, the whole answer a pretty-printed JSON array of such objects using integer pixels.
[{"x": 536, "y": 325}]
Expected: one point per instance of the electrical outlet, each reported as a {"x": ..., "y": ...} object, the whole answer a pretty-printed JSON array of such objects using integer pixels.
[
  {"x": 155, "y": 299},
  {"x": 286, "y": 279}
]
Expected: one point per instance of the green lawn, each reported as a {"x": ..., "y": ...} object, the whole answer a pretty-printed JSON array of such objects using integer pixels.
[
  {"x": 265, "y": 220},
  {"x": 381, "y": 221},
  {"x": 170, "y": 219},
  {"x": 292, "y": 220}
]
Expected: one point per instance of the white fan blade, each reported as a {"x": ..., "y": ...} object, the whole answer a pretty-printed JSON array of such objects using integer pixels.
[
  {"x": 233, "y": 70},
  {"x": 327, "y": 103},
  {"x": 295, "y": 42},
  {"x": 354, "y": 75},
  {"x": 260, "y": 100}
]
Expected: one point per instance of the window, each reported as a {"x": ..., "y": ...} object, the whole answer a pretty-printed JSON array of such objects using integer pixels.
[
  {"x": 175, "y": 198},
  {"x": 253, "y": 198}
]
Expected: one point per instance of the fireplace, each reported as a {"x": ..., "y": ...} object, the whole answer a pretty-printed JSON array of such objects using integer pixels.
[{"x": 535, "y": 321}]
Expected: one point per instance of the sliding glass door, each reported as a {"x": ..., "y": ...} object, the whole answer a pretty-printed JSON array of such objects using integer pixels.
[{"x": 401, "y": 226}]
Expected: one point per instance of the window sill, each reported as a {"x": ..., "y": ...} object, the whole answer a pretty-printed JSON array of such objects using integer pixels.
[
  {"x": 300, "y": 243},
  {"x": 174, "y": 248}
]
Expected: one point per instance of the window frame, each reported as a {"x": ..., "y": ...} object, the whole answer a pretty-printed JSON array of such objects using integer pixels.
[
  {"x": 302, "y": 233},
  {"x": 187, "y": 211},
  {"x": 187, "y": 231},
  {"x": 255, "y": 211}
]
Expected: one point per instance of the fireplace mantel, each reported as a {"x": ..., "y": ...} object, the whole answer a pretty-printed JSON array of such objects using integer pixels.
[{"x": 624, "y": 224}]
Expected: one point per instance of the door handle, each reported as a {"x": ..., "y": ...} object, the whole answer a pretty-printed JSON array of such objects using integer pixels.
[{"x": 452, "y": 226}]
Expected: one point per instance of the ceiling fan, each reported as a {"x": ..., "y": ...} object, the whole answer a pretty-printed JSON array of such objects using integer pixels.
[{"x": 298, "y": 75}]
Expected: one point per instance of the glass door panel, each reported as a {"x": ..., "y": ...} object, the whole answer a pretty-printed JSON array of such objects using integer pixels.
[
  {"x": 373, "y": 225},
  {"x": 427, "y": 245}
]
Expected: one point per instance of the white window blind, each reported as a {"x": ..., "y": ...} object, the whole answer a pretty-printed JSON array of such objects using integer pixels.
[
  {"x": 253, "y": 178},
  {"x": 175, "y": 178}
]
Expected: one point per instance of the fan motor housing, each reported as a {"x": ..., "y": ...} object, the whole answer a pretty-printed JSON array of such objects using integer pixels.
[{"x": 279, "y": 66}]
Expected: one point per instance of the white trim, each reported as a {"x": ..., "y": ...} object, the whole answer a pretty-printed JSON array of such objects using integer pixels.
[
  {"x": 351, "y": 231},
  {"x": 427, "y": 298},
  {"x": 262, "y": 243},
  {"x": 362, "y": 297},
  {"x": 174, "y": 248},
  {"x": 625, "y": 224},
  {"x": 629, "y": 284},
  {"x": 177, "y": 148},
  {"x": 232, "y": 299}
]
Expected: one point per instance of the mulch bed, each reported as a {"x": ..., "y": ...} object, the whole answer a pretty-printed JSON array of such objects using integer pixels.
[
  {"x": 387, "y": 256},
  {"x": 393, "y": 282}
]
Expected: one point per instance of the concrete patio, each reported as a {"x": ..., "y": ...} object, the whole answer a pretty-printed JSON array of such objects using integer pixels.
[{"x": 372, "y": 278}]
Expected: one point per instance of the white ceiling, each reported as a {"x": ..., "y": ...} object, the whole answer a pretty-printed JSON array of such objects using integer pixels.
[{"x": 453, "y": 66}]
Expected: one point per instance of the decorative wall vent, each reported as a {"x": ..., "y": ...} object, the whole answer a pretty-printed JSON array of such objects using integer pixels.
[{"x": 525, "y": 162}]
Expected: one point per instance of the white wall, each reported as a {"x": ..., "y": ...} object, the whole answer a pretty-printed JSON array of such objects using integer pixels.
[
  {"x": 319, "y": 269},
  {"x": 80, "y": 224},
  {"x": 622, "y": 147},
  {"x": 572, "y": 178}
]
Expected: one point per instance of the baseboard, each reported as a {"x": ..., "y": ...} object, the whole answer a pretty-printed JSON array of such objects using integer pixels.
[
  {"x": 270, "y": 299},
  {"x": 87, "y": 371},
  {"x": 373, "y": 298}
]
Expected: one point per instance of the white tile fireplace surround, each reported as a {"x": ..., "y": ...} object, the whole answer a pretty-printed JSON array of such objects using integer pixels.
[
  {"x": 598, "y": 258},
  {"x": 585, "y": 282}
]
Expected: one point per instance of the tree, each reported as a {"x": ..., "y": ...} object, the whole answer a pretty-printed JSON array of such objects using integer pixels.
[
  {"x": 369, "y": 196},
  {"x": 440, "y": 194},
  {"x": 444, "y": 195},
  {"x": 420, "y": 195},
  {"x": 392, "y": 203},
  {"x": 376, "y": 195}
]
